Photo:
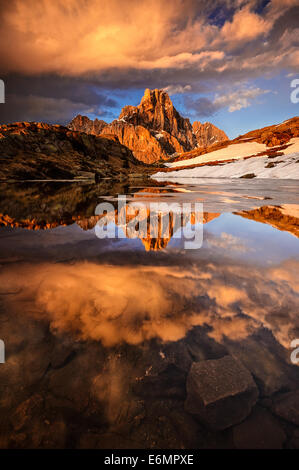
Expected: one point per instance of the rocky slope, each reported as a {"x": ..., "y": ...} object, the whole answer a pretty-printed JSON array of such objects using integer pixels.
[
  {"x": 207, "y": 134},
  {"x": 153, "y": 130},
  {"x": 271, "y": 152},
  {"x": 271, "y": 136},
  {"x": 41, "y": 151}
]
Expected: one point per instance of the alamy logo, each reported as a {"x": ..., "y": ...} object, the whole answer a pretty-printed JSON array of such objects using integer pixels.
[
  {"x": 295, "y": 93},
  {"x": 2, "y": 92},
  {"x": 154, "y": 220},
  {"x": 2, "y": 352},
  {"x": 295, "y": 353}
]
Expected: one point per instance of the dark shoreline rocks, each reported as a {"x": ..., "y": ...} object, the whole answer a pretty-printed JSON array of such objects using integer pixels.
[{"x": 39, "y": 151}]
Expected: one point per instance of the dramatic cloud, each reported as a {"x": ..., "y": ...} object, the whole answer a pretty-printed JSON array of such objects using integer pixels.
[
  {"x": 39, "y": 108},
  {"x": 78, "y": 37},
  {"x": 53, "y": 99},
  {"x": 245, "y": 26},
  {"x": 201, "y": 107},
  {"x": 74, "y": 38}
]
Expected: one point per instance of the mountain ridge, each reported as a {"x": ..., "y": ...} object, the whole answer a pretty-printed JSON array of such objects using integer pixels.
[{"x": 154, "y": 130}]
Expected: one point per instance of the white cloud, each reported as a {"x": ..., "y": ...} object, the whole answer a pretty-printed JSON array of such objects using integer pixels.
[
  {"x": 236, "y": 100},
  {"x": 177, "y": 89}
]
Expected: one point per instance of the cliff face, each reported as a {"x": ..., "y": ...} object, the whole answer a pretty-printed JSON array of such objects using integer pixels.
[
  {"x": 138, "y": 139},
  {"x": 207, "y": 134}
]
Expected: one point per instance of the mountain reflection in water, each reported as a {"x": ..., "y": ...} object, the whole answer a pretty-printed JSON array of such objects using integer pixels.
[{"x": 100, "y": 335}]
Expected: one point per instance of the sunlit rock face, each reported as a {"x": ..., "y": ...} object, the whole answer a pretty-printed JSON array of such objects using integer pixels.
[
  {"x": 157, "y": 112},
  {"x": 207, "y": 134},
  {"x": 145, "y": 146}
]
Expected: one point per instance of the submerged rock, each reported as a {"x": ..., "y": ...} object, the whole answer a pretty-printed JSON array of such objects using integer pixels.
[
  {"x": 259, "y": 431},
  {"x": 287, "y": 407},
  {"x": 262, "y": 356},
  {"x": 220, "y": 392}
]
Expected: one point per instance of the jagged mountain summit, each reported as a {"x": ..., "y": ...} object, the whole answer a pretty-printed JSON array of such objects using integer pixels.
[
  {"x": 157, "y": 113},
  {"x": 154, "y": 130}
]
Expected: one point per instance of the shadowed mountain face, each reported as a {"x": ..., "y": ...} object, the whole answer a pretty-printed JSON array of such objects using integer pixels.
[
  {"x": 154, "y": 130},
  {"x": 42, "y": 151}
]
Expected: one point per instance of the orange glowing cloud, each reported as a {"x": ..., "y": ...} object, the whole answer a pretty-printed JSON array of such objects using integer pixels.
[
  {"x": 69, "y": 37},
  {"x": 132, "y": 304},
  {"x": 74, "y": 37}
]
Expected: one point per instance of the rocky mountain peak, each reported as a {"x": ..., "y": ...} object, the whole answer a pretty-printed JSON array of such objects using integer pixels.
[{"x": 157, "y": 113}]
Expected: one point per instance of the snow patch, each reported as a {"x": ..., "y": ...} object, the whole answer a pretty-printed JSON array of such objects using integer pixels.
[{"x": 233, "y": 151}]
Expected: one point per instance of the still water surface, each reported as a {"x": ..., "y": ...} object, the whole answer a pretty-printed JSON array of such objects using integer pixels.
[{"x": 100, "y": 334}]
